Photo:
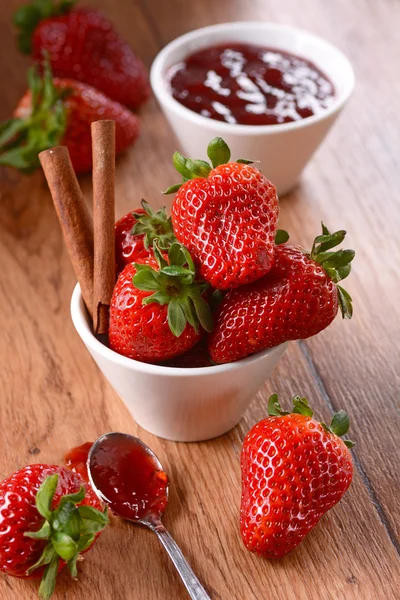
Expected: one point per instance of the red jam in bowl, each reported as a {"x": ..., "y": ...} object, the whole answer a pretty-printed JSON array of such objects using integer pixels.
[{"x": 250, "y": 85}]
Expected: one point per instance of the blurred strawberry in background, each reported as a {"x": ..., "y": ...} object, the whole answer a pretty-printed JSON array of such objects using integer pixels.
[
  {"x": 82, "y": 44},
  {"x": 60, "y": 111},
  {"x": 89, "y": 73}
]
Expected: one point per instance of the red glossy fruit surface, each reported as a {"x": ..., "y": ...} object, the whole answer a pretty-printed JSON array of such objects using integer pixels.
[
  {"x": 141, "y": 331},
  {"x": 293, "y": 471},
  {"x": 297, "y": 299},
  {"x": 228, "y": 222},
  {"x": 128, "y": 246}
]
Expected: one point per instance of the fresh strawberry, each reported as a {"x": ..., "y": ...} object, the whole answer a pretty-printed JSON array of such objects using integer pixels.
[
  {"x": 82, "y": 44},
  {"x": 60, "y": 111},
  {"x": 225, "y": 216},
  {"x": 297, "y": 299},
  {"x": 294, "y": 470},
  {"x": 157, "y": 309},
  {"x": 48, "y": 516},
  {"x": 136, "y": 232}
]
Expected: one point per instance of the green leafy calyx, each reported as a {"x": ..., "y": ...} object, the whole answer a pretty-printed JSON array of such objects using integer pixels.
[
  {"x": 22, "y": 139},
  {"x": 281, "y": 237},
  {"x": 217, "y": 151},
  {"x": 336, "y": 263},
  {"x": 300, "y": 406},
  {"x": 69, "y": 530},
  {"x": 339, "y": 426},
  {"x": 27, "y": 18},
  {"x": 154, "y": 225},
  {"x": 175, "y": 284}
]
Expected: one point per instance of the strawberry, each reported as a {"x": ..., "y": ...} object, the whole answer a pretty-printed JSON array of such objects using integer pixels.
[
  {"x": 60, "y": 111},
  {"x": 294, "y": 470},
  {"x": 226, "y": 216},
  {"x": 136, "y": 232},
  {"x": 48, "y": 516},
  {"x": 297, "y": 299},
  {"x": 157, "y": 309},
  {"x": 82, "y": 44}
]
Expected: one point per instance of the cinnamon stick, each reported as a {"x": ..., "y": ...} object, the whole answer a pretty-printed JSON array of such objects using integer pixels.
[
  {"x": 75, "y": 220},
  {"x": 103, "y": 149}
]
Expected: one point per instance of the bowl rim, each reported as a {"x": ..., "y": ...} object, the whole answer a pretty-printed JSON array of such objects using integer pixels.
[
  {"x": 165, "y": 98},
  {"x": 80, "y": 321}
]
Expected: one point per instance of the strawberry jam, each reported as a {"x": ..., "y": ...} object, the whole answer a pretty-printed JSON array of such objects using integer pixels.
[
  {"x": 129, "y": 478},
  {"x": 76, "y": 459},
  {"x": 250, "y": 85}
]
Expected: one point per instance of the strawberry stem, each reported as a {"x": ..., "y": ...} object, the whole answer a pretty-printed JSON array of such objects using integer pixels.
[{"x": 217, "y": 151}]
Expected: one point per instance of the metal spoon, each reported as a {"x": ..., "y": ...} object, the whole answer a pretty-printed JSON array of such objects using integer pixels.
[{"x": 108, "y": 446}]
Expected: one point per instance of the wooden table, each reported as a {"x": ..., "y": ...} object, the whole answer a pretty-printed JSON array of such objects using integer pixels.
[{"x": 53, "y": 396}]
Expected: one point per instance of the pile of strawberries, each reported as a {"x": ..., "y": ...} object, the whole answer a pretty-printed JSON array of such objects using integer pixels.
[
  {"x": 218, "y": 273},
  {"x": 84, "y": 72}
]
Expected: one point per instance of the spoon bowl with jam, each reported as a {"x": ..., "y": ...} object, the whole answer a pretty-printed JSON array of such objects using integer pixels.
[{"x": 128, "y": 477}]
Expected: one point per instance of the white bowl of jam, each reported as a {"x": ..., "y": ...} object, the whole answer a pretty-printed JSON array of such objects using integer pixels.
[{"x": 271, "y": 91}]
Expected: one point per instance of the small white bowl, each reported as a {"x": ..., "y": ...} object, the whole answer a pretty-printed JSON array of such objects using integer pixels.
[
  {"x": 283, "y": 150},
  {"x": 184, "y": 405}
]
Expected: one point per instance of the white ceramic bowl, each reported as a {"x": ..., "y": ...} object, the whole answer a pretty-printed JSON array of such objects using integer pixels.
[
  {"x": 283, "y": 150},
  {"x": 184, "y": 405}
]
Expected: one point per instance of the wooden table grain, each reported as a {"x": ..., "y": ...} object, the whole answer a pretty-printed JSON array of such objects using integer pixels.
[{"x": 52, "y": 395}]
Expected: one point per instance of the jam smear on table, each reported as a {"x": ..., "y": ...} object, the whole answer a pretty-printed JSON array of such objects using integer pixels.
[
  {"x": 129, "y": 478},
  {"x": 250, "y": 85},
  {"x": 76, "y": 459}
]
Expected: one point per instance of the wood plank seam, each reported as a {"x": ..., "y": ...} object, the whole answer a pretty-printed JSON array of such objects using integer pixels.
[
  {"x": 357, "y": 462},
  {"x": 151, "y": 23}
]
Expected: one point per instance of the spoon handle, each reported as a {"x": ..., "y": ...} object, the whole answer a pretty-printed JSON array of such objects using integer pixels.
[{"x": 192, "y": 584}]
